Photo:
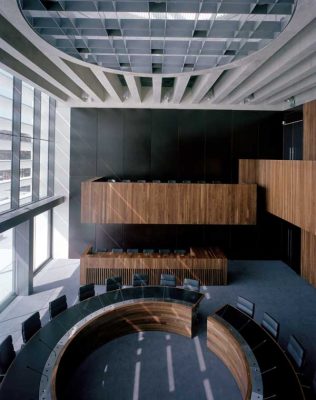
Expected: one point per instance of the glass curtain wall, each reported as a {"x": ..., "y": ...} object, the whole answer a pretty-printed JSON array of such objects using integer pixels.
[
  {"x": 7, "y": 280},
  {"x": 26, "y": 168},
  {"x": 42, "y": 233},
  {"x": 6, "y": 115},
  {"x": 26, "y": 144}
]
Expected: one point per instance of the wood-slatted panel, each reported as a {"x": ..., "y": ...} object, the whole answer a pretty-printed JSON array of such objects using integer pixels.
[
  {"x": 309, "y": 135},
  {"x": 290, "y": 188},
  {"x": 166, "y": 203},
  {"x": 209, "y": 266},
  {"x": 222, "y": 342},
  {"x": 308, "y": 257}
]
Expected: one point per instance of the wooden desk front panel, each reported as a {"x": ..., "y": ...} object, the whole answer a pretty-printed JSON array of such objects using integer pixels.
[
  {"x": 223, "y": 343},
  {"x": 290, "y": 188},
  {"x": 168, "y": 203},
  {"x": 209, "y": 266}
]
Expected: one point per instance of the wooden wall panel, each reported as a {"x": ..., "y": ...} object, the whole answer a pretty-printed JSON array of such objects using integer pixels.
[
  {"x": 290, "y": 188},
  {"x": 163, "y": 203},
  {"x": 308, "y": 257},
  {"x": 309, "y": 132},
  {"x": 209, "y": 266}
]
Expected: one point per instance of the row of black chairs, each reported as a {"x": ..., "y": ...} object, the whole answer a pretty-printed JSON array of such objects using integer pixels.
[
  {"x": 159, "y": 181},
  {"x": 143, "y": 251},
  {"x": 272, "y": 326},
  {"x": 294, "y": 349}
]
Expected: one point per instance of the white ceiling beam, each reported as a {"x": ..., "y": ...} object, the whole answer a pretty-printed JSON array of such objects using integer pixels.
[
  {"x": 304, "y": 97},
  {"x": 180, "y": 86},
  {"x": 229, "y": 81},
  {"x": 299, "y": 47},
  {"x": 293, "y": 90},
  {"x": 157, "y": 84},
  {"x": 111, "y": 83},
  {"x": 134, "y": 87},
  {"x": 297, "y": 73},
  {"x": 203, "y": 84}
]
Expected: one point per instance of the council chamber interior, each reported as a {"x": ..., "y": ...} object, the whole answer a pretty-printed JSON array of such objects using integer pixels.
[{"x": 157, "y": 229}]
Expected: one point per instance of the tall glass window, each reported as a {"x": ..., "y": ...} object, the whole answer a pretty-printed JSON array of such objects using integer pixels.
[
  {"x": 7, "y": 285},
  {"x": 41, "y": 239},
  {"x": 26, "y": 144},
  {"x": 43, "y": 188},
  {"x": 6, "y": 116}
]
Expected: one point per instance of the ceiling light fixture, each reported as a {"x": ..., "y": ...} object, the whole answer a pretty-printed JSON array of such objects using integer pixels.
[{"x": 291, "y": 101}]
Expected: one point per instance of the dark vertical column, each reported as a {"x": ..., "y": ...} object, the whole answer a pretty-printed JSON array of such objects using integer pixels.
[
  {"x": 36, "y": 145},
  {"x": 51, "y": 146},
  {"x": 23, "y": 240},
  {"x": 16, "y": 136}
]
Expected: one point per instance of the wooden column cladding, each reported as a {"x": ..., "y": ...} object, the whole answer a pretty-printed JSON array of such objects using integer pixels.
[
  {"x": 167, "y": 203},
  {"x": 291, "y": 195},
  {"x": 290, "y": 188},
  {"x": 308, "y": 239}
]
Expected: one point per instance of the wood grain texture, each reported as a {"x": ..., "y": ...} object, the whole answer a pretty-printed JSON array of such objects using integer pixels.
[
  {"x": 309, "y": 131},
  {"x": 167, "y": 203},
  {"x": 290, "y": 189},
  {"x": 208, "y": 265},
  {"x": 139, "y": 316},
  {"x": 222, "y": 342},
  {"x": 308, "y": 257}
]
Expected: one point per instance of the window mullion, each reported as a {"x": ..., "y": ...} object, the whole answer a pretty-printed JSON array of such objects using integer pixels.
[
  {"x": 16, "y": 143},
  {"x": 36, "y": 145}
]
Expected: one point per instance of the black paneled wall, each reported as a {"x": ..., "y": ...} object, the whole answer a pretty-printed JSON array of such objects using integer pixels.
[{"x": 171, "y": 144}]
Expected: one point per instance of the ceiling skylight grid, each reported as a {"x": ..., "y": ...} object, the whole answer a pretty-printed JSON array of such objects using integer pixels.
[{"x": 158, "y": 37}]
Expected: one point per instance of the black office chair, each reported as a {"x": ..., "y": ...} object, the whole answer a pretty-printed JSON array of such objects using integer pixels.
[
  {"x": 148, "y": 251},
  {"x": 111, "y": 180},
  {"x": 201, "y": 182},
  {"x": 7, "y": 355},
  {"x": 167, "y": 280},
  {"x": 191, "y": 284},
  {"x": 141, "y": 181},
  {"x": 113, "y": 283},
  {"x": 117, "y": 250},
  {"x": 57, "y": 306},
  {"x": 271, "y": 325},
  {"x": 246, "y": 306},
  {"x": 164, "y": 251},
  {"x": 140, "y": 280},
  {"x": 171, "y": 181},
  {"x": 180, "y": 252},
  {"x": 86, "y": 291},
  {"x": 30, "y": 326},
  {"x": 156, "y": 181},
  {"x": 296, "y": 352},
  {"x": 132, "y": 251},
  {"x": 126, "y": 180},
  {"x": 186, "y": 181}
]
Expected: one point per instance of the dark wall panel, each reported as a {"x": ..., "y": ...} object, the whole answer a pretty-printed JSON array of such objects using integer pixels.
[
  {"x": 136, "y": 146},
  {"x": 164, "y": 144},
  {"x": 170, "y": 144},
  {"x": 110, "y": 143},
  {"x": 191, "y": 145}
]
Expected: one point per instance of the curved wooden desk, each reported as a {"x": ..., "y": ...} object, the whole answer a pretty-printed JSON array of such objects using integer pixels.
[
  {"x": 234, "y": 328},
  {"x": 50, "y": 354}
]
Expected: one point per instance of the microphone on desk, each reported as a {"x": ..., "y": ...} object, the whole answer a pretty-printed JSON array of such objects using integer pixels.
[
  {"x": 48, "y": 346},
  {"x": 37, "y": 371}
]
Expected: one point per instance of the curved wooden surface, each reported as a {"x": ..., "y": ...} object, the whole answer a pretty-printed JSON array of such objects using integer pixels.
[
  {"x": 137, "y": 316},
  {"x": 223, "y": 342}
]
